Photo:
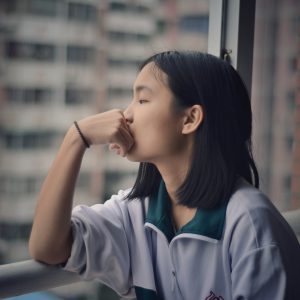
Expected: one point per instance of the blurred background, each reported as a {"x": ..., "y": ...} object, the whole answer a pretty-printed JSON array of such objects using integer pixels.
[{"x": 62, "y": 60}]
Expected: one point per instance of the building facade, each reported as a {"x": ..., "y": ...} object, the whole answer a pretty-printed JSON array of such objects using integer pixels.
[
  {"x": 274, "y": 89},
  {"x": 134, "y": 31}
]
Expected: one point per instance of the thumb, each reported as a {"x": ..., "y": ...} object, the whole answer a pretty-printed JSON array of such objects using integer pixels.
[{"x": 114, "y": 146}]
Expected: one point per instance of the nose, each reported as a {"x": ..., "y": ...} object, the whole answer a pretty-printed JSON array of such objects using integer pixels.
[{"x": 128, "y": 114}]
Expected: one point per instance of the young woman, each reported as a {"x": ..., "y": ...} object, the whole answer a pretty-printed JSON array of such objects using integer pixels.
[{"x": 194, "y": 225}]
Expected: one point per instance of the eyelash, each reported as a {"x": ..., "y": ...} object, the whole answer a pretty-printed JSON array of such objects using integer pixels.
[{"x": 142, "y": 101}]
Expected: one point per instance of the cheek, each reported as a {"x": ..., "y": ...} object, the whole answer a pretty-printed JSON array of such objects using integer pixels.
[{"x": 158, "y": 136}]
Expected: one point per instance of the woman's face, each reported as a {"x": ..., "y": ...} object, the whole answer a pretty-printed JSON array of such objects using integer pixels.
[{"x": 153, "y": 120}]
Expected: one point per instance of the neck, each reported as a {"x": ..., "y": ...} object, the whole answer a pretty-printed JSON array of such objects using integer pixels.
[
  {"x": 174, "y": 169},
  {"x": 174, "y": 172},
  {"x": 173, "y": 179}
]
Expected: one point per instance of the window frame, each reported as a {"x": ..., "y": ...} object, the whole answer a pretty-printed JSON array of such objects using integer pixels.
[{"x": 231, "y": 30}]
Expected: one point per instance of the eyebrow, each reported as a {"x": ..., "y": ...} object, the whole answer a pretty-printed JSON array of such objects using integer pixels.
[{"x": 139, "y": 88}]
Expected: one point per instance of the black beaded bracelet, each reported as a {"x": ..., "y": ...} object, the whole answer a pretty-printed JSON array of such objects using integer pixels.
[{"x": 81, "y": 135}]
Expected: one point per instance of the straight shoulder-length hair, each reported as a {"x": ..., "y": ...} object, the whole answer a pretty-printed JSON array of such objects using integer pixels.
[{"x": 222, "y": 148}]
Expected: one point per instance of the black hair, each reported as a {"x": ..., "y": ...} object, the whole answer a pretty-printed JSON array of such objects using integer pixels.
[{"x": 222, "y": 150}]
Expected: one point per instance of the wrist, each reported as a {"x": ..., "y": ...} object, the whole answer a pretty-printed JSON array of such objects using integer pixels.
[
  {"x": 83, "y": 138},
  {"x": 73, "y": 138}
]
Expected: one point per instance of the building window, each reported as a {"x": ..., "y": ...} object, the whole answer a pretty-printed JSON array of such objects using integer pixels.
[
  {"x": 287, "y": 182},
  {"x": 126, "y": 36},
  {"x": 161, "y": 26},
  {"x": 194, "y": 23},
  {"x": 43, "y": 7},
  {"x": 13, "y": 231},
  {"x": 78, "y": 96},
  {"x": 114, "y": 62},
  {"x": 28, "y": 95},
  {"x": 289, "y": 142},
  {"x": 30, "y": 51},
  {"x": 9, "y": 6},
  {"x": 291, "y": 100},
  {"x": 80, "y": 54},
  {"x": 82, "y": 12},
  {"x": 117, "y": 6},
  {"x": 127, "y": 7},
  {"x": 35, "y": 7},
  {"x": 141, "y": 9},
  {"x": 11, "y": 185},
  {"x": 293, "y": 64},
  {"x": 114, "y": 92},
  {"x": 28, "y": 140}
]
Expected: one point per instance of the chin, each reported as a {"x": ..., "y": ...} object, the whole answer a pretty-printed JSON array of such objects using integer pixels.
[
  {"x": 134, "y": 156},
  {"x": 131, "y": 155}
]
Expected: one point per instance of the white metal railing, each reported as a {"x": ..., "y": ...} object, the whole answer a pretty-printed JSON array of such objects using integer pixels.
[{"x": 29, "y": 276}]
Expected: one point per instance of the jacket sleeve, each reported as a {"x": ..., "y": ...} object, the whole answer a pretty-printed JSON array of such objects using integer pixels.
[
  {"x": 264, "y": 255},
  {"x": 259, "y": 274},
  {"x": 100, "y": 248}
]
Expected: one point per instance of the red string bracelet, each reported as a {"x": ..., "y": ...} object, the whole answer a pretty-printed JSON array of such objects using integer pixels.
[{"x": 81, "y": 135}]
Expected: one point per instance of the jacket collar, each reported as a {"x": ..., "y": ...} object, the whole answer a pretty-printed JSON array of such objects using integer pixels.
[{"x": 206, "y": 222}]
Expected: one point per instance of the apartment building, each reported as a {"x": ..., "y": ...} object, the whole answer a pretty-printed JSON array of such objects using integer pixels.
[
  {"x": 129, "y": 29},
  {"x": 134, "y": 31},
  {"x": 274, "y": 90},
  {"x": 62, "y": 60},
  {"x": 49, "y": 78}
]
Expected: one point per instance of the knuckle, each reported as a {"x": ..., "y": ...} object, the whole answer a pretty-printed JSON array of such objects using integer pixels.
[
  {"x": 117, "y": 111},
  {"x": 118, "y": 123}
]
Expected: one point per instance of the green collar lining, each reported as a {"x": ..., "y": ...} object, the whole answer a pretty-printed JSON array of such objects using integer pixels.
[
  {"x": 206, "y": 222},
  {"x": 145, "y": 294}
]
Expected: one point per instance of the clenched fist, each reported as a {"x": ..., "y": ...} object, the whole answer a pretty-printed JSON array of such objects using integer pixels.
[{"x": 109, "y": 127}]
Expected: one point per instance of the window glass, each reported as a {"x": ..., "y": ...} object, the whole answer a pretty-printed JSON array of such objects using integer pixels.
[
  {"x": 8, "y": 6},
  {"x": 30, "y": 51},
  {"x": 194, "y": 23},
  {"x": 62, "y": 61},
  {"x": 80, "y": 54},
  {"x": 43, "y": 7},
  {"x": 274, "y": 95},
  {"x": 31, "y": 140},
  {"x": 35, "y": 96},
  {"x": 82, "y": 12},
  {"x": 75, "y": 96}
]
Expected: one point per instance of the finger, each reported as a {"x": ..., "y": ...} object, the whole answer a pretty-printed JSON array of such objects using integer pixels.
[
  {"x": 118, "y": 150},
  {"x": 113, "y": 146},
  {"x": 125, "y": 123},
  {"x": 125, "y": 140}
]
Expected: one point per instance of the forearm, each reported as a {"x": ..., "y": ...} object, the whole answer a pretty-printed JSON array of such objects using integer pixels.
[{"x": 51, "y": 237}]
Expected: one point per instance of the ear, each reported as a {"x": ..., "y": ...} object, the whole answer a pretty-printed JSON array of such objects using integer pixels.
[{"x": 192, "y": 119}]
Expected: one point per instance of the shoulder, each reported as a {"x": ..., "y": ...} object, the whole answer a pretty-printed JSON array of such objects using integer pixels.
[
  {"x": 252, "y": 216},
  {"x": 247, "y": 199},
  {"x": 259, "y": 241}
]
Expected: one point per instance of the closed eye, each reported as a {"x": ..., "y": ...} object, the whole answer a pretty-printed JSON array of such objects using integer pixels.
[{"x": 142, "y": 101}]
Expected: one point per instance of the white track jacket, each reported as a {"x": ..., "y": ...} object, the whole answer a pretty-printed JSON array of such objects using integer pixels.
[{"x": 243, "y": 249}]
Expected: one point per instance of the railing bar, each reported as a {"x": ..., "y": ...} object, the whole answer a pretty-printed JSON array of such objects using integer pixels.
[{"x": 28, "y": 276}]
